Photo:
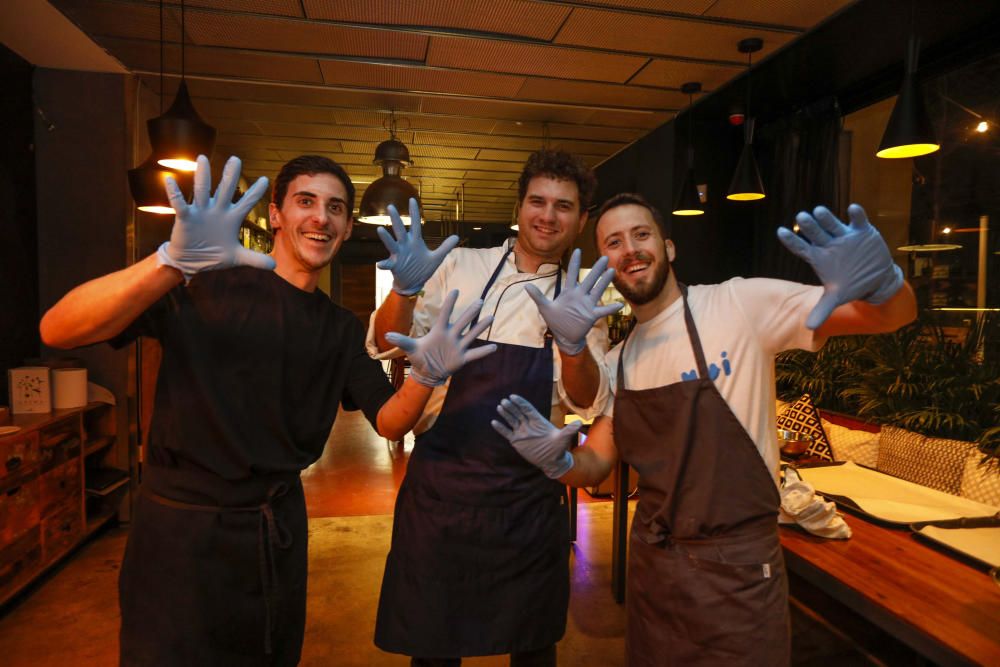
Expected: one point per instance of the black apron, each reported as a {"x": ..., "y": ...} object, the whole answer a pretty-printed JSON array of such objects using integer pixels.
[
  {"x": 214, "y": 571},
  {"x": 479, "y": 563},
  {"x": 706, "y": 576}
]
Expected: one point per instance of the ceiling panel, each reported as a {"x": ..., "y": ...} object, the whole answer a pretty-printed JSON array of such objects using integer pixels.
[
  {"x": 475, "y": 86},
  {"x": 515, "y": 58},
  {"x": 798, "y": 13},
  {"x": 663, "y": 36},
  {"x": 282, "y": 34},
  {"x": 538, "y": 20}
]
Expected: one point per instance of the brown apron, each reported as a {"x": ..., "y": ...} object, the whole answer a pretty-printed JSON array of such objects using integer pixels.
[{"x": 706, "y": 577}]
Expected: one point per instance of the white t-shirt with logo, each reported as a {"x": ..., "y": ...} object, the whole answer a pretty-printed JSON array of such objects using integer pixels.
[{"x": 743, "y": 324}]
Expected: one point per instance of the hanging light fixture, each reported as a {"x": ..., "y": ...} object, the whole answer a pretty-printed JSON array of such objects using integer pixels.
[
  {"x": 147, "y": 181},
  {"x": 391, "y": 188},
  {"x": 909, "y": 132},
  {"x": 747, "y": 184},
  {"x": 688, "y": 201},
  {"x": 180, "y": 135}
]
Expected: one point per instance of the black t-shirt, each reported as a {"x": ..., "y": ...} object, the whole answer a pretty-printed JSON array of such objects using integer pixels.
[{"x": 252, "y": 374}]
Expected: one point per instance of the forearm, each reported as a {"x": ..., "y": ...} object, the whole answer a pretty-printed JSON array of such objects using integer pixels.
[
  {"x": 861, "y": 317},
  {"x": 395, "y": 314},
  {"x": 580, "y": 377},
  {"x": 101, "y": 308},
  {"x": 400, "y": 413},
  {"x": 594, "y": 461}
]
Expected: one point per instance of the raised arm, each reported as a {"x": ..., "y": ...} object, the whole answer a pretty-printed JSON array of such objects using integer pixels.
[
  {"x": 411, "y": 263},
  {"x": 203, "y": 238},
  {"x": 433, "y": 359},
  {"x": 570, "y": 316}
]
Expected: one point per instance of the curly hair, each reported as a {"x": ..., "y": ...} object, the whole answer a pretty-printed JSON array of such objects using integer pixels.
[
  {"x": 562, "y": 166},
  {"x": 310, "y": 164}
]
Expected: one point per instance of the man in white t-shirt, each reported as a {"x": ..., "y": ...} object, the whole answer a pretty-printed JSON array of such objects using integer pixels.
[{"x": 694, "y": 414}]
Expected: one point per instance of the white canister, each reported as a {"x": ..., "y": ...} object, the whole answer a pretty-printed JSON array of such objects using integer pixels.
[{"x": 69, "y": 388}]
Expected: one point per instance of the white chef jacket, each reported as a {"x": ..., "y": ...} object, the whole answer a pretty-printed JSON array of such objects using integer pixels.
[{"x": 516, "y": 320}]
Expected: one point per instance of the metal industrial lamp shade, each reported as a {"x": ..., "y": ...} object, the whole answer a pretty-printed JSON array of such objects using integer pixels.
[
  {"x": 147, "y": 183},
  {"x": 391, "y": 188},
  {"x": 909, "y": 132},
  {"x": 688, "y": 201},
  {"x": 746, "y": 184},
  {"x": 179, "y": 135}
]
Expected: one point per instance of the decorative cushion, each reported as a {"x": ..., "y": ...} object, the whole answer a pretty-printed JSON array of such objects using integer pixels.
[
  {"x": 981, "y": 482},
  {"x": 932, "y": 462},
  {"x": 850, "y": 444},
  {"x": 803, "y": 417}
]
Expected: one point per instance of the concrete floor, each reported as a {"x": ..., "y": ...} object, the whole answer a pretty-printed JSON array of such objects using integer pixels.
[{"x": 70, "y": 617}]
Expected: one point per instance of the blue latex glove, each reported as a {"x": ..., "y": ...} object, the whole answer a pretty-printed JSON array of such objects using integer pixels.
[
  {"x": 852, "y": 261},
  {"x": 410, "y": 261},
  {"x": 434, "y": 357},
  {"x": 573, "y": 313},
  {"x": 535, "y": 438},
  {"x": 205, "y": 232}
]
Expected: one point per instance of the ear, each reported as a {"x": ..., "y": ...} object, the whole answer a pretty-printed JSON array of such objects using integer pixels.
[
  {"x": 349, "y": 228},
  {"x": 274, "y": 213},
  {"x": 671, "y": 250},
  {"x": 583, "y": 221}
]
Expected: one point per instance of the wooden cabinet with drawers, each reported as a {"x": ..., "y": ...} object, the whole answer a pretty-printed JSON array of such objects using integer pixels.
[{"x": 46, "y": 508}]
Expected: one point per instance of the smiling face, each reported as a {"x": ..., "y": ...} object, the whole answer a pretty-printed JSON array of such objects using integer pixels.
[
  {"x": 630, "y": 238},
  {"x": 549, "y": 218},
  {"x": 311, "y": 224}
]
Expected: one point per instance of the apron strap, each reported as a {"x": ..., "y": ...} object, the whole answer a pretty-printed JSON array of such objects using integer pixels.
[
  {"x": 270, "y": 534},
  {"x": 493, "y": 279}
]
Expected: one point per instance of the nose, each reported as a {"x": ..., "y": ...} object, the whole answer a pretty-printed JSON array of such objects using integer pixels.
[{"x": 549, "y": 213}]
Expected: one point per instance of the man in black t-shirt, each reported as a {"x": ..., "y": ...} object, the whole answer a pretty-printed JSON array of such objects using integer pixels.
[{"x": 256, "y": 361}]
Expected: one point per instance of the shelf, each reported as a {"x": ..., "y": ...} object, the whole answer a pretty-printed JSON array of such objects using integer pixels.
[
  {"x": 108, "y": 490},
  {"x": 95, "y": 521},
  {"x": 98, "y": 443}
]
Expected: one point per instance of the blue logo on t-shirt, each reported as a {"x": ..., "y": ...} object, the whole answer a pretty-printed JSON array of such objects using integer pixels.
[{"x": 713, "y": 370}]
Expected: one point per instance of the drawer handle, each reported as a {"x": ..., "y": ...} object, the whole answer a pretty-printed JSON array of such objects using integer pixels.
[
  {"x": 13, "y": 492},
  {"x": 13, "y": 463},
  {"x": 67, "y": 526}
]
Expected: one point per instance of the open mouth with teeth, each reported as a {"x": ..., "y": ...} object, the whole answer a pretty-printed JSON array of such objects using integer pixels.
[
  {"x": 636, "y": 267},
  {"x": 317, "y": 236}
]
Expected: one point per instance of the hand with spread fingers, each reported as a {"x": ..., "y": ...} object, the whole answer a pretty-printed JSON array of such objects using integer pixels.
[
  {"x": 444, "y": 350},
  {"x": 852, "y": 261},
  {"x": 410, "y": 261},
  {"x": 573, "y": 313},
  {"x": 205, "y": 232},
  {"x": 535, "y": 438}
]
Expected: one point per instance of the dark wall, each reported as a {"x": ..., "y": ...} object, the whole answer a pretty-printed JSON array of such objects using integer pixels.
[
  {"x": 846, "y": 63},
  {"x": 18, "y": 235},
  {"x": 82, "y": 155}
]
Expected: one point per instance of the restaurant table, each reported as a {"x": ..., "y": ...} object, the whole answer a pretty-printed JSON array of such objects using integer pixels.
[{"x": 936, "y": 603}]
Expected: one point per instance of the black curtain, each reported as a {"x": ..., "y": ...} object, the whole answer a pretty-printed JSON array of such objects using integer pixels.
[{"x": 799, "y": 158}]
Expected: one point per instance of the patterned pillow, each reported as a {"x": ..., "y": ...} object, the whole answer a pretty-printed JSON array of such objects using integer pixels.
[
  {"x": 849, "y": 444},
  {"x": 803, "y": 417},
  {"x": 931, "y": 462},
  {"x": 981, "y": 482}
]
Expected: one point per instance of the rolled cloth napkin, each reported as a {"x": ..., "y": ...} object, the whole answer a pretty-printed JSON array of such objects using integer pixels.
[{"x": 801, "y": 505}]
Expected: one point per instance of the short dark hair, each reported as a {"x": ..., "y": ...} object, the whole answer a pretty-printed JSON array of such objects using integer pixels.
[
  {"x": 633, "y": 199},
  {"x": 560, "y": 165},
  {"x": 311, "y": 165}
]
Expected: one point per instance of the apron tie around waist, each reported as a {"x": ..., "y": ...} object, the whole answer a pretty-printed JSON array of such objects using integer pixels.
[{"x": 270, "y": 534}]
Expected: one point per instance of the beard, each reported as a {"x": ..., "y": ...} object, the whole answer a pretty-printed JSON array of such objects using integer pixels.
[{"x": 639, "y": 295}]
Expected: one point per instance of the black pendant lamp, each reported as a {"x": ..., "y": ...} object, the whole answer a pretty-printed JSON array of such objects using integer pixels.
[
  {"x": 391, "y": 188},
  {"x": 180, "y": 135},
  {"x": 147, "y": 181},
  {"x": 688, "y": 202},
  {"x": 909, "y": 132},
  {"x": 747, "y": 184}
]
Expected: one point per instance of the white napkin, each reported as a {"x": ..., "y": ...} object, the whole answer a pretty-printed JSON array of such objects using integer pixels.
[{"x": 801, "y": 505}]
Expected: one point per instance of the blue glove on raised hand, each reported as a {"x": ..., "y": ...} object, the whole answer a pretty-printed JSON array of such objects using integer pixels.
[
  {"x": 410, "y": 261},
  {"x": 434, "y": 357},
  {"x": 535, "y": 438},
  {"x": 573, "y": 313},
  {"x": 852, "y": 261},
  {"x": 205, "y": 232}
]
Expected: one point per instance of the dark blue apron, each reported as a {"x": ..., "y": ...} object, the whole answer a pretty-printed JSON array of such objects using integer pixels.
[{"x": 479, "y": 563}]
